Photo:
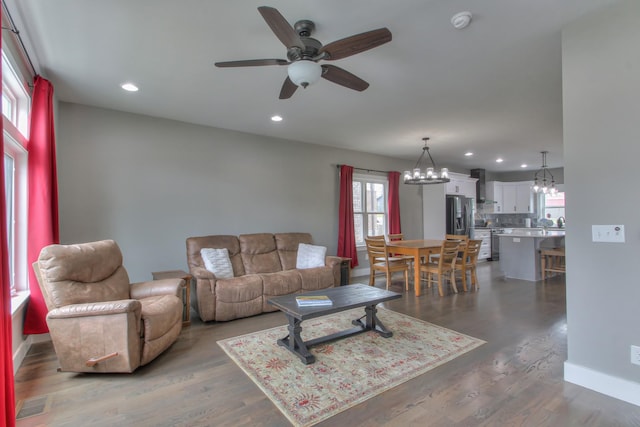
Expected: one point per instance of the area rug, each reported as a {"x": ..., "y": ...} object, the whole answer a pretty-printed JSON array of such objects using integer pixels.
[{"x": 347, "y": 371}]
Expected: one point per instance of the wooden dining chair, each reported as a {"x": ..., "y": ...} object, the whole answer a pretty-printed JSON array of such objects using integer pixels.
[
  {"x": 396, "y": 237},
  {"x": 467, "y": 263},
  {"x": 462, "y": 239},
  {"x": 380, "y": 260},
  {"x": 444, "y": 266}
]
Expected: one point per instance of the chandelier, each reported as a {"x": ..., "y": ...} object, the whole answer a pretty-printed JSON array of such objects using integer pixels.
[
  {"x": 542, "y": 184},
  {"x": 423, "y": 173}
]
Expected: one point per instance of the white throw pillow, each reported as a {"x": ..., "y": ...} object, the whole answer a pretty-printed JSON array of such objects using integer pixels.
[
  {"x": 217, "y": 261},
  {"x": 310, "y": 256}
]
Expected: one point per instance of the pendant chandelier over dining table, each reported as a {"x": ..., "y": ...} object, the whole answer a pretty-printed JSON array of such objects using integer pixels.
[{"x": 423, "y": 173}]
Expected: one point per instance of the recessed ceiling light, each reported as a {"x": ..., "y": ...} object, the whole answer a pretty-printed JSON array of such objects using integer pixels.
[
  {"x": 461, "y": 20},
  {"x": 499, "y": 160},
  {"x": 524, "y": 165},
  {"x": 276, "y": 118},
  {"x": 129, "y": 87},
  {"x": 468, "y": 154}
]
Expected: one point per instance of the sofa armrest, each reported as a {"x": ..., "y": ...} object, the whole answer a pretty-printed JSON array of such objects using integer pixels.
[
  {"x": 202, "y": 273},
  {"x": 96, "y": 309},
  {"x": 332, "y": 261},
  {"x": 340, "y": 268}
]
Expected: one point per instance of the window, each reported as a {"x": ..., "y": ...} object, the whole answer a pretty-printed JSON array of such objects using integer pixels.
[
  {"x": 554, "y": 207},
  {"x": 15, "y": 111},
  {"x": 369, "y": 206}
]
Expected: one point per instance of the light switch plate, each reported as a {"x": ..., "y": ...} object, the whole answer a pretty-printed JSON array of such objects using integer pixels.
[{"x": 607, "y": 233}]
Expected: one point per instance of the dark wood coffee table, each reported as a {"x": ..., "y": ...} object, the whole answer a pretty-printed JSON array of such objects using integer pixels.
[{"x": 343, "y": 298}]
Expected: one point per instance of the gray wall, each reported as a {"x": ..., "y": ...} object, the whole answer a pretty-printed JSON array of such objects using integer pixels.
[
  {"x": 558, "y": 175},
  {"x": 150, "y": 183},
  {"x": 601, "y": 92}
]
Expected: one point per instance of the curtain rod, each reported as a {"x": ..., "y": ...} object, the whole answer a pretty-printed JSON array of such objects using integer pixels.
[
  {"x": 364, "y": 170},
  {"x": 15, "y": 31}
]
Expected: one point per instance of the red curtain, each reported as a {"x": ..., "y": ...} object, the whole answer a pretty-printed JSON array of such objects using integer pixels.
[
  {"x": 7, "y": 395},
  {"x": 394, "y": 203},
  {"x": 346, "y": 229},
  {"x": 43, "y": 196}
]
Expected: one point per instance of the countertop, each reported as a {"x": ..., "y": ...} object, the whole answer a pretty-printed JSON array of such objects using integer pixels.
[{"x": 533, "y": 232}]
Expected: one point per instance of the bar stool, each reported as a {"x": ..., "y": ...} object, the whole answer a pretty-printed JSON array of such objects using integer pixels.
[{"x": 552, "y": 260}]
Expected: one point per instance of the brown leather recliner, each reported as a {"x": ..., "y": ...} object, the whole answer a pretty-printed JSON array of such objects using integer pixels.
[{"x": 98, "y": 321}]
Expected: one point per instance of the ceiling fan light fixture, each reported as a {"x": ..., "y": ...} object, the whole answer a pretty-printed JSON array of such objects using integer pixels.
[{"x": 304, "y": 72}]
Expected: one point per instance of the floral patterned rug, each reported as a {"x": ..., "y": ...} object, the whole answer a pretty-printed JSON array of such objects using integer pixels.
[{"x": 347, "y": 371}]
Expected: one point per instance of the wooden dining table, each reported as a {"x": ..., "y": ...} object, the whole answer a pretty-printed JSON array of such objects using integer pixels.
[{"x": 418, "y": 249}]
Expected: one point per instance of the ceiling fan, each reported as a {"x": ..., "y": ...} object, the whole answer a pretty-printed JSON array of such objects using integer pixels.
[{"x": 304, "y": 52}]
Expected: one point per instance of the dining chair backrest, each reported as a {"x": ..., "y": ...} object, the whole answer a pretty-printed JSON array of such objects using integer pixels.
[
  {"x": 448, "y": 253},
  {"x": 396, "y": 236},
  {"x": 458, "y": 237},
  {"x": 471, "y": 251},
  {"x": 376, "y": 249}
]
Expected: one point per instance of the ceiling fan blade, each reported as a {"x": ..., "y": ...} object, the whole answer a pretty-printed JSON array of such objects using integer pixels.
[
  {"x": 281, "y": 27},
  {"x": 288, "y": 89},
  {"x": 355, "y": 44},
  {"x": 252, "y": 63},
  {"x": 344, "y": 78}
]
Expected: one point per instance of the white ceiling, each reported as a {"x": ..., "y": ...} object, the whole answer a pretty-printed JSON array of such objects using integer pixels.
[{"x": 494, "y": 88}]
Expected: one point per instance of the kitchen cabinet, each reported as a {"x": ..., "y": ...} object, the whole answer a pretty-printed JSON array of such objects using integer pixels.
[
  {"x": 509, "y": 197},
  {"x": 517, "y": 197},
  {"x": 494, "y": 197},
  {"x": 485, "y": 246},
  {"x": 461, "y": 185}
]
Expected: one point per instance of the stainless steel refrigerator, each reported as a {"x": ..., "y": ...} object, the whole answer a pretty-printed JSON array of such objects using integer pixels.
[{"x": 460, "y": 215}]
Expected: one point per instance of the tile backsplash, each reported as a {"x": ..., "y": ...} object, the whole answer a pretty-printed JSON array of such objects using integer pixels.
[{"x": 507, "y": 220}]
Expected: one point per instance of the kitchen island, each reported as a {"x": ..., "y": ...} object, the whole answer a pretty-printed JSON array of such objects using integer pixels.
[{"x": 520, "y": 251}]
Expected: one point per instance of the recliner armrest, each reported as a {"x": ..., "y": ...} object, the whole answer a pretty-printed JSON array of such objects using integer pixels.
[
  {"x": 157, "y": 287},
  {"x": 96, "y": 309}
]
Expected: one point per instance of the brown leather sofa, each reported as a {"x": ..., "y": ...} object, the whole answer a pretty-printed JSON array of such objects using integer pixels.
[
  {"x": 264, "y": 266},
  {"x": 98, "y": 321}
]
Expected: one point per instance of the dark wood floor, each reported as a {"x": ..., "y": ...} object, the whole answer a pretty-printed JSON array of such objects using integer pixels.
[{"x": 516, "y": 379}]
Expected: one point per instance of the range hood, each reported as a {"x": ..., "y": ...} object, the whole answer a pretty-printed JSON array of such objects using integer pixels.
[{"x": 481, "y": 187}]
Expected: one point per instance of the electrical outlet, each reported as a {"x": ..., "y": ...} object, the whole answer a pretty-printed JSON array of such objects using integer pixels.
[{"x": 635, "y": 354}]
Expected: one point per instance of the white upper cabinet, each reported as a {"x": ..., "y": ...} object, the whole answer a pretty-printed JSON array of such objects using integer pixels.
[
  {"x": 524, "y": 197},
  {"x": 461, "y": 185},
  {"x": 494, "y": 197},
  {"x": 509, "y": 197}
]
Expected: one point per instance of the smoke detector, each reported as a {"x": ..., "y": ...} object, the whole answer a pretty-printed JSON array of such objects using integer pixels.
[{"x": 461, "y": 20}]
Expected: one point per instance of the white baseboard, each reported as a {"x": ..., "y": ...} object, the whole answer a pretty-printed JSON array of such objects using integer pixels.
[
  {"x": 20, "y": 354},
  {"x": 618, "y": 388},
  {"x": 358, "y": 272},
  {"x": 23, "y": 349}
]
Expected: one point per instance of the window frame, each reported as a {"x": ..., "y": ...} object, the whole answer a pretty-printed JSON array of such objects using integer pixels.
[
  {"x": 15, "y": 136},
  {"x": 365, "y": 179}
]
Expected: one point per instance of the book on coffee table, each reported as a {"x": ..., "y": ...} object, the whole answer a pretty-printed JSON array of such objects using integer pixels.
[{"x": 313, "y": 300}]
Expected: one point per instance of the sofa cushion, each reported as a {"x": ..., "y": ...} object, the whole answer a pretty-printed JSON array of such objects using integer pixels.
[
  {"x": 194, "y": 244},
  {"x": 316, "y": 278},
  {"x": 217, "y": 261},
  {"x": 259, "y": 254},
  {"x": 238, "y": 297},
  {"x": 280, "y": 283},
  {"x": 310, "y": 256},
  {"x": 239, "y": 289},
  {"x": 160, "y": 314},
  {"x": 287, "y": 244}
]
